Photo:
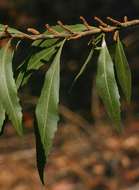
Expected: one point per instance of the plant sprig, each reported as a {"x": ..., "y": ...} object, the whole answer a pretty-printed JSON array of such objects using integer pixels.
[{"x": 69, "y": 33}]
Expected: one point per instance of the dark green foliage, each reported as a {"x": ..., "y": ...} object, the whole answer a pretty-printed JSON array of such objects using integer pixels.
[{"x": 46, "y": 113}]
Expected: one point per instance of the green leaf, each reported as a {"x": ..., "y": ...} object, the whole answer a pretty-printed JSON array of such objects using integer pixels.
[
  {"x": 123, "y": 70},
  {"x": 8, "y": 92},
  {"x": 106, "y": 85},
  {"x": 2, "y": 116},
  {"x": 84, "y": 66},
  {"x": 47, "y": 106}
]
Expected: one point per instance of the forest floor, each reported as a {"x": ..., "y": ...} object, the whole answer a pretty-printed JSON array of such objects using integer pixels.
[{"x": 84, "y": 157}]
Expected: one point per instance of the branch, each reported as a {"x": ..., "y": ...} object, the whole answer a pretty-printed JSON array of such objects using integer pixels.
[{"x": 69, "y": 34}]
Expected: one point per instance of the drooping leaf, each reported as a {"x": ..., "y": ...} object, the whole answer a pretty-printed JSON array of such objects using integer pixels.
[
  {"x": 106, "y": 85},
  {"x": 123, "y": 70},
  {"x": 83, "y": 66},
  {"x": 8, "y": 91},
  {"x": 47, "y": 106},
  {"x": 2, "y": 116}
]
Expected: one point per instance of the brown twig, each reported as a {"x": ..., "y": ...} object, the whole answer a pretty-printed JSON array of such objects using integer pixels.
[
  {"x": 68, "y": 33},
  {"x": 115, "y": 22},
  {"x": 88, "y": 27},
  {"x": 100, "y": 21},
  {"x": 108, "y": 29}
]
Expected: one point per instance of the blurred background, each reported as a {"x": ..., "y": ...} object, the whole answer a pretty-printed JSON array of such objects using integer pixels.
[{"x": 87, "y": 153}]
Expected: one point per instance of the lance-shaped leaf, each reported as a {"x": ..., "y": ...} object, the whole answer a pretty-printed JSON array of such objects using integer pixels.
[
  {"x": 8, "y": 91},
  {"x": 106, "y": 85},
  {"x": 2, "y": 116},
  {"x": 83, "y": 66},
  {"x": 123, "y": 70},
  {"x": 47, "y": 107}
]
